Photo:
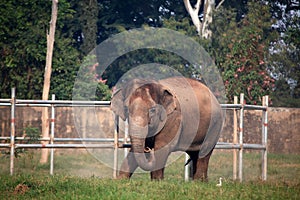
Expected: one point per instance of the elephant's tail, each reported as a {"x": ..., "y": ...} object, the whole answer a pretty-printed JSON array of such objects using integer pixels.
[{"x": 188, "y": 161}]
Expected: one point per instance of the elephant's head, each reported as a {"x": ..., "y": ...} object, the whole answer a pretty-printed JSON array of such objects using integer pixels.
[{"x": 146, "y": 104}]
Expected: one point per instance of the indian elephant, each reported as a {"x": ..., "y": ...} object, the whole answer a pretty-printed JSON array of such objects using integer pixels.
[{"x": 172, "y": 114}]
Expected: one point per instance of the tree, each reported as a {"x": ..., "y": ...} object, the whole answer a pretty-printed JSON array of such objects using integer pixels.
[
  {"x": 241, "y": 50},
  {"x": 231, "y": 29},
  {"x": 140, "y": 57},
  {"x": 47, "y": 76},
  {"x": 87, "y": 18},
  {"x": 285, "y": 53},
  {"x": 89, "y": 86},
  {"x": 208, "y": 7},
  {"x": 23, "y": 49}
]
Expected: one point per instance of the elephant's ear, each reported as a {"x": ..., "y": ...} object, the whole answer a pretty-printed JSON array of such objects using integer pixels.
[
  {"x": 168, "y": 101},
  {"x": 117, "y": 104}
]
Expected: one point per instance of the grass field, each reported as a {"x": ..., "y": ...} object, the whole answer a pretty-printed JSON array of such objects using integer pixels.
[{"x": 78, "y": 175}]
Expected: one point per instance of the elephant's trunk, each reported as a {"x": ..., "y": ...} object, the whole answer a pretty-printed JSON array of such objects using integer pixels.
[{"x": 138, "y": 135}]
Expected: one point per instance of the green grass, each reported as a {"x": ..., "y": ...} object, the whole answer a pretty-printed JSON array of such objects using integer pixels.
[
  {"x": 68, "y": 187},
  {"x": 77, "y": 176}
]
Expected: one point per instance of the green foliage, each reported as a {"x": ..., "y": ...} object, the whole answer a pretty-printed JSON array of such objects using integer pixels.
[
  {"x": 147, "y": 56},
  {"x": 88, "y": 85},
  {"x": 184, "y": 26},
  {"x": 103, "y": 92},
  {"x": 282, "y": 96},
  {"x": 23, "y": 28},
  {"x": 242, "y": 38},
  {"x": 22, "y": 46},
  {"x": 241, "y": 48},
  {"x": 87, "y": 16},
  {"x": 285, "y": 65},
  {"x": 32, "y": 135},
  {"x": 118, "y": 16}
]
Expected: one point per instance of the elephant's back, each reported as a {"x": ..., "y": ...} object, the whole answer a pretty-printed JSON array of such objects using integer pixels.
[
  {"x": 199, "y": 108},
  {"x": 189, "y": 92}
]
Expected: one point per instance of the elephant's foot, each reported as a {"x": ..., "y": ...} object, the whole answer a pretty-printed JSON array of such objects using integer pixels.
[
  {"x": 158, "y": 174},
  {"x": 200, "y": 166},
  {"x": 128, "y": 166},
  {"x": 201, "y": 177},
  {"x": 124, "y": 175}
]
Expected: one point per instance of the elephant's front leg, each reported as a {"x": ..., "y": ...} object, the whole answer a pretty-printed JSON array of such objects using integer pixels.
[
  {"x": 128, "y": 166},
  {"x": 157, "y": 174},
  {"x": 161, "y": 156},
  {"x": 164, "y": 144}
]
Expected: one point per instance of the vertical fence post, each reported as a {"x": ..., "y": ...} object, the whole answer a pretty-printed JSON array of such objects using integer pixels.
[
  {"x": 52, "y": 135},
  {"x": 116, "y": 146},
  {"x": 235, "y": 139},
  {"x": 187, "y": 168},
  {"x": 241, "y": 130},
  {"x": 83, "y": 121},
  {"x": 12, "y": 130},
  {"x": 265, "y": 138},
  {"x": 126, "y": 136}
]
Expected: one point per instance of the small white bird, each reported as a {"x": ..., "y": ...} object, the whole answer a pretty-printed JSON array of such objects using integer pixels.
[{"x": 220, "y": 182}]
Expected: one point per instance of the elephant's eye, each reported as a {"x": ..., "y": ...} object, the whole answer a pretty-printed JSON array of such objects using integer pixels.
[{"x": 152, "y": 110}]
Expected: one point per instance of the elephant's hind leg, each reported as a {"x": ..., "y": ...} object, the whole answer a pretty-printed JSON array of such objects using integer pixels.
[{"x": 201, "y": 168}]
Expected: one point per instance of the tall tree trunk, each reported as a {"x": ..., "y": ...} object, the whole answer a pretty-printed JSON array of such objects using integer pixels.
[
  {"x": 47, "y": 76},
  {"x": 194, "y": 13},
  {"x": 208, "y": 7}
]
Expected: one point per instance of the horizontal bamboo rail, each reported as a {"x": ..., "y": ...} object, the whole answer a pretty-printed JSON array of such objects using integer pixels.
[{"x": 117, "y": 142}]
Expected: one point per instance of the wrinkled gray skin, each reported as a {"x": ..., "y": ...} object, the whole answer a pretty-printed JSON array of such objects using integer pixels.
[{"x": 174, "y": 114}]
